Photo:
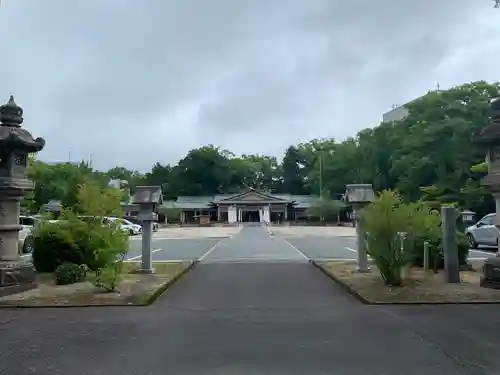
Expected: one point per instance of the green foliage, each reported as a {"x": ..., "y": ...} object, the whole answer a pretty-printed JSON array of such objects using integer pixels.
[
  {"x": 57, "y": 243},
  {"x": 82, "y": 240},
  {"x": 172, "y": 214},
  {"x": 109, "y": 277},
  {"x": 70, "y": 273},
  {"x": 96, "y": 201},
  {"x": 480, "y": 168},
  {"x": 428, "y": 155},
  {"x": 388, "y": 217},
  {"x": 383, "y": 220},
  {"x": 325, "y": 208}
]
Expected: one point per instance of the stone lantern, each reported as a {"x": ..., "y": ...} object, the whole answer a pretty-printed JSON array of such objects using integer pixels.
[
  {"x": 16, "y": 144},
  {"x": 149, "y": 198},
  {"x": 468, "y": 218},
  {"x": 359, "y": 195},
  {"x": 489, "y": 137}
]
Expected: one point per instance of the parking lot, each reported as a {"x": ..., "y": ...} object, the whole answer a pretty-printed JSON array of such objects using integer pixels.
[{"x": 225, "y": 244}]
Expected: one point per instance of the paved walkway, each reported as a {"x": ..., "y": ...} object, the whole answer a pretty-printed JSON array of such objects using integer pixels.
[
  {"x": 251, "y": 318},
  {"x": 254, "y": 244}
]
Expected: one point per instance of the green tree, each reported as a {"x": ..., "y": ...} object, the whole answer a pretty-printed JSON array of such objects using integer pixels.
[
  {"x": 293, "y": 173},
  {"x": 325, "y": 208}
]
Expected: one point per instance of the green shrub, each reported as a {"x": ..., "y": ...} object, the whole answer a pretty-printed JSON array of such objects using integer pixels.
[
  {"x": 383, "y": 220},
  {"x": 436, "y": 253},
  {"x": 73, "y": 240},
  {"x": 110, "y": 276},
  {"x": 54, "y": 244},
  {"x": 82, "y": 240},
  {"x": 70, "y": 273}
]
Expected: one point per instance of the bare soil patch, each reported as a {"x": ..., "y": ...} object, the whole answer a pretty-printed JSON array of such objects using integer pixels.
[
  {"x": 420, "y": 287},
  {"x": 135, "y": 289}
]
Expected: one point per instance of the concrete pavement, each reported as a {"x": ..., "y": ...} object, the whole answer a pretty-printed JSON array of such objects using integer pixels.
[
  {"x": 246, "y": 246},
  {"x": 225, "y": 319},
  {"x": 251, "y": 317}
]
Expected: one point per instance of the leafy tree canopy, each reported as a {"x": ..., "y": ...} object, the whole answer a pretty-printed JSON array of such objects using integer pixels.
[{"x": 427, "y": 155}]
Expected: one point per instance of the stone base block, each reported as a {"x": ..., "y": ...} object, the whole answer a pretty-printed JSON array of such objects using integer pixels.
[
  {"x": 491, "y": 273},
  {"x": 487, "y": 283},
  {"x": 16, "y": 277},
  {"x": 148, "y": 271}
]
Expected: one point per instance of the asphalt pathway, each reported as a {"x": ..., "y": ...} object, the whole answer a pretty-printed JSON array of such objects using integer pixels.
[
  {"x": 265, "y": 318},
  {"x": 254, "y": 244}
]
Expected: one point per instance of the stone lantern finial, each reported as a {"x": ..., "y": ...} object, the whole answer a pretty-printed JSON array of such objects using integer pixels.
[{"x": 11, "y": 114}]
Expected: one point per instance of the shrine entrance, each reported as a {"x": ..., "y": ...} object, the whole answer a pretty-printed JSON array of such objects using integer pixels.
[{"x": 251, "y": 216}]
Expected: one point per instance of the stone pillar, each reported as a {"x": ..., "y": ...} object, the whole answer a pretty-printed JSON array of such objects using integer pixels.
[
  {"x": 147, "y": 256},
  {"x": 232, "y": 216},
  {"x": 16, "y": 144},
  {"x": 361, "y": 255},
  {"x": 449, "y": 227},
  {"x": 285, "y": 215},
  {"x": 218, "y": 213}
]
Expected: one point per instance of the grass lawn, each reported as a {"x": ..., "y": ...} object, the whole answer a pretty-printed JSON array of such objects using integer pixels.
[
  {"x": 419, "y": 287},
  {"x": 134, "y": 289}
]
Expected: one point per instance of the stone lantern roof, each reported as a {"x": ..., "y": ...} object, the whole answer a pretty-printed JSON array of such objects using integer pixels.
[{"x": 12, "y": 136}]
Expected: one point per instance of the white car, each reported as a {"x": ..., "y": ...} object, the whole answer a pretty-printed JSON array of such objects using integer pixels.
[
  {"x": 25, "y": 242},
  {"x": 127, "y": 226},
  {"x": 483, "y": 233}
]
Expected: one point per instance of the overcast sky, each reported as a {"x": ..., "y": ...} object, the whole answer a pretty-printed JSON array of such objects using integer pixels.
[{"x": 136, "y": 82}]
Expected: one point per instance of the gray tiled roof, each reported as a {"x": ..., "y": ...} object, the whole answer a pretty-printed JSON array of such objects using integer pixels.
[
  {"x": 201, "y": 198},
  {"x": 187, "y": 205},
  {"x": 205, "y": 202}
]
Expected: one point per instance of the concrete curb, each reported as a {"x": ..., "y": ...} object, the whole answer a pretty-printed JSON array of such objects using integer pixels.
[
  {"x": 157, "y": 294},
  {"x": 366, "y": 301},
  {"x": 167, "y": 285},
  {"x": 344, "y": 286}
]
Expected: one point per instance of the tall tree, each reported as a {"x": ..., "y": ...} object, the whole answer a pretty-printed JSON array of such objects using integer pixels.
[{"x": 293, "y": 174}]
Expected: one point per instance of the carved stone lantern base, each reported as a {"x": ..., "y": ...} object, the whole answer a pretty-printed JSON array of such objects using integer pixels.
[
  {"x": 16, "y": 277},
  {"x": 491, "y": 273}
]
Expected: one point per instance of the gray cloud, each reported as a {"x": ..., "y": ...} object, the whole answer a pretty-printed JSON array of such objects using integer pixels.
[{"x": 135, "y": 82}]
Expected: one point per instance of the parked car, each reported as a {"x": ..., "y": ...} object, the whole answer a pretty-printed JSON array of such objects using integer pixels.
[
  {"x": 26, "y": 241},
  {"x": 483, "y": 233},
  {"x": 127, "y": 226},
  {"x": 138, "y": 221}
]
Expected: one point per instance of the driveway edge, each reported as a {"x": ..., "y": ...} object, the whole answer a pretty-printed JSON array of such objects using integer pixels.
[
  {"x": 150, "y": 300},
  {"x": 366, "y": 301},
  {"x": 344, "y": 286},
  {"x": 167, "y": 285}
]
